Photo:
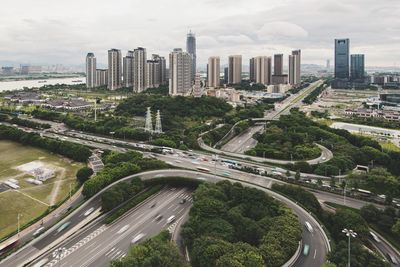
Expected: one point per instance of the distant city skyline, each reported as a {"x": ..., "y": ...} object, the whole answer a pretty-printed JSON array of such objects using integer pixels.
[{"x": 62, "y": 32}]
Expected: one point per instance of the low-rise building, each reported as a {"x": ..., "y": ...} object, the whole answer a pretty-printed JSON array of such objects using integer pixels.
[{"x": 389, "y": 115}]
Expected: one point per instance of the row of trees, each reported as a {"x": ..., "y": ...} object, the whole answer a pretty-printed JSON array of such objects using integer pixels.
[
  {"x": 232, "y": 225},
  {"x": 314, "y": 94},
  {"x": 25, "y": 123},
  {"x": 73, "y": 151},
  {"x": 117, "y": 166},
  {"x": 157, "y": 251}
]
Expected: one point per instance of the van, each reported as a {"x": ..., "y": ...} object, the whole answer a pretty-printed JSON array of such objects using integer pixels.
[{"x": 171, "y": 219}]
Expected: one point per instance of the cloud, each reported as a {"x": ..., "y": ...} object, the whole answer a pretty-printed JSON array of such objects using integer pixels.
[
  {"x": 281, "y": 29},
  {"x": 234, "y": 39}
]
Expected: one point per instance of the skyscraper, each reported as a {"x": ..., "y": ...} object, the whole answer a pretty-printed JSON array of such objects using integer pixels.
[
  {"x": 234, "y": 69},
  {"x": 213, "y": 72},
  {"x": 162, "y": 68},
  {"x": 191, "y": 49},
  {"x": 278, "y": 64},
  {"x": 226, "y": 74},
  {"x": 262, "y": 70},
  {"x": 252, "y": 75},
  {"x": 114, "y": 69},
  {"x": 342, "y": 51},
  {"x": 90, "y": 70},
  {"x": 180, "y": 72},
  {"x": 295, "y": 68},
  {"x": 357, "y": 67},
  {"x": 128, "y": 69},
  {"x": 153, "y": 74},
  {"x": 139, "y": 69}
]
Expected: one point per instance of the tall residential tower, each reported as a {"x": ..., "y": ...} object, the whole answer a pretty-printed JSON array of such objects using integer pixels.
[
  {"x": 234, "y": 69},
  {"x": 213, "y": 72},
  {"x": 180, "y": 72},
  {"x": 295, "y": 68},
  {"x": 139, "y": 69},
  {"x": 114, "y": 69},
  {"x": 90, "y": 70},
  {"x": 128, "y": 69}
]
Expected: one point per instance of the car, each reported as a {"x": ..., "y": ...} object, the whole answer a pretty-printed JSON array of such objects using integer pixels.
[
  {"x": 158, "y": 217},
  {"x": 123, "y": 229},
  {"x": 88, "y": 211},
  {"x": 137, "y": 238},
  {"x": 309, "y": 227},
  {"x": 171, "y": 219},
  {"x": 182, "y": 201},
  {"x": 323, "y": 158},
  {"x": 38, "y": 231},
  {"x": 153, "y": 205},
  {"x": 63, "y": 227},
  {"x": 306, "y": 249}
]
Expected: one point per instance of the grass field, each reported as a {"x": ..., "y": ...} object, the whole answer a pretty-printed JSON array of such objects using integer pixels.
[{"x": 31, "y": 200}]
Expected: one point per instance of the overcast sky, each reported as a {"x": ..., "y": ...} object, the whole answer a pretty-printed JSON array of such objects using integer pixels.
[{"x": 59, "y": 31}]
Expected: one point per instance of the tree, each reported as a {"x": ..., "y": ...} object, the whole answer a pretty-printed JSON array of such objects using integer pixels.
[
  {"x": 84, "y": 174},
  {"x": 297, "y": 175},
  {"x": 396, "y": 227}
]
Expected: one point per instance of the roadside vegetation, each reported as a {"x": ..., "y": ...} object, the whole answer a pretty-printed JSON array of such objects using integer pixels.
[
  {"x": 156, "y": 251},
  {"x": 117, "y": 166},
  {"x": 335, "y": 223},
  {"x": 232, "y": 225}
]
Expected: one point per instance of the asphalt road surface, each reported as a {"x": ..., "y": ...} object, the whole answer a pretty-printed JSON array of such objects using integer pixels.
[{"x": 99, "y": 244}]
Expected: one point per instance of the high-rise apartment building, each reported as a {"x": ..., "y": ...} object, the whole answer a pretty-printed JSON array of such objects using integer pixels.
[
  {"x": 252, "y": 75},
  {"x": 295, "y": 68},
  {"x": 213, "y": 72},
  {"x": 101, "y": 77},
  {"x": 128, "y": 69},
  {"x": 180, "y": 72},
  {"x": 234, "y": 69},
  {"x": 197, "y": 90},
  {"x": 90, "y": 70},
  {"x": 262, "y": 70},
  {"x": 226, "y": 74},
  {"x": 357, "y": 67},
  {"x": 191, "y": 49},
  {"x": 139, "y": 69},
  {"x": 114, "y": 69},
  {"x": 278, "y": 64},
  {"x": 162, "y": 69},
  {"x": 342, "y": 58},
  {"x": 153, "y": 74}
]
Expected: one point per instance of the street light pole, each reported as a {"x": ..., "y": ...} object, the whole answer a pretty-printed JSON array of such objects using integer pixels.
[
  {"x": 18, "y": 226},
  {"x": 349, "y": 233}
]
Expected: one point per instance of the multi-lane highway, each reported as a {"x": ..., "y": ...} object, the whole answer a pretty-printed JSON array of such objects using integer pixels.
[
  {"x": 98, "y": 244},
  {"x": 244, "y": 141}
]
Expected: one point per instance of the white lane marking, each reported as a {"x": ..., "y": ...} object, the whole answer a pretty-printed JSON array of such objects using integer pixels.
[
  {"x": 181, "y": 210},
  {"x": 315, "y": 253},
  {"x": 109, "y": 252},
  {"x": 177, "y": 207},
  {"x": 170, "y": 206}
]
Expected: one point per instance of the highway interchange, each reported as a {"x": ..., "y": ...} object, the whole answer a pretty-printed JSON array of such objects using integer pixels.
[{"x": 97, "y": 231}]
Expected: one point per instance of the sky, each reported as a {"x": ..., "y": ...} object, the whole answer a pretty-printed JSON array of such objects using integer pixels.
[{"x": 63, "y": 32}]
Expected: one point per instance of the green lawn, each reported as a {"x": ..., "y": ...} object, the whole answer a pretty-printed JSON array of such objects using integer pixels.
[{"x": 37, "y": 198}]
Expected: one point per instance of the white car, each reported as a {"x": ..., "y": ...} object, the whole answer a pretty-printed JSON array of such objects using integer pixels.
[
  {"x": 138, "y": 238},
  {"x": 123, "y": 229},
  {"x": 88, "y": 212},
  {"x": 171, "y": 219}
]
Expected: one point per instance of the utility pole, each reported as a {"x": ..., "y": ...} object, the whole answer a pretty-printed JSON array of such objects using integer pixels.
[
  {"x": 349, "y": 233},
  {"x": 70, "y": 191},
  {"x": 18, "y": 226}
]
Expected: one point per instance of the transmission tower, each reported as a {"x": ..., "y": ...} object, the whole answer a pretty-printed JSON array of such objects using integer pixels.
[
  {"x": 158, "y": 128},
  {"x": 149, "y": 124}
]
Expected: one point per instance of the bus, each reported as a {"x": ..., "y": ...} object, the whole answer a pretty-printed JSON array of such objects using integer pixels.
[
  {"x": 306, "y": 249},
  {"x": 230, "y": 162},
  {"x": 203, "y": 169},
  {"x": 375, "y": 237}
]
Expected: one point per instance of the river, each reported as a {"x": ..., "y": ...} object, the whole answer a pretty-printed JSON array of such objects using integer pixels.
[{"x": 18, "y": 85}]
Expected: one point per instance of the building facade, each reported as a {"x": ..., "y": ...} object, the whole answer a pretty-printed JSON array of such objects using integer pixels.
[
  {"x": 191, "y": 49},
  {"x": 278, "y": 64},
  {"x": 101, "y": 77},
  {"x": 252, "y": 75},
  {"x": 162, "y": 69},
  {"x": 180, "y": 72},
  {"x": 153, "y": 74},
  {"x": 295, "y": 68},
  {"x": 342, "y": 57},
  {"x": 139, "y": 69},
  {"x": 90, "y": 70},
  {"x": 262, "y": 70},
  {"x": 357, "y": 67},
  {"x": 114, "y": 69},
  {"x": 234, "y": 69},
  {"x": 128, "y": 69},
  {"x": 213, "y": 72}
]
